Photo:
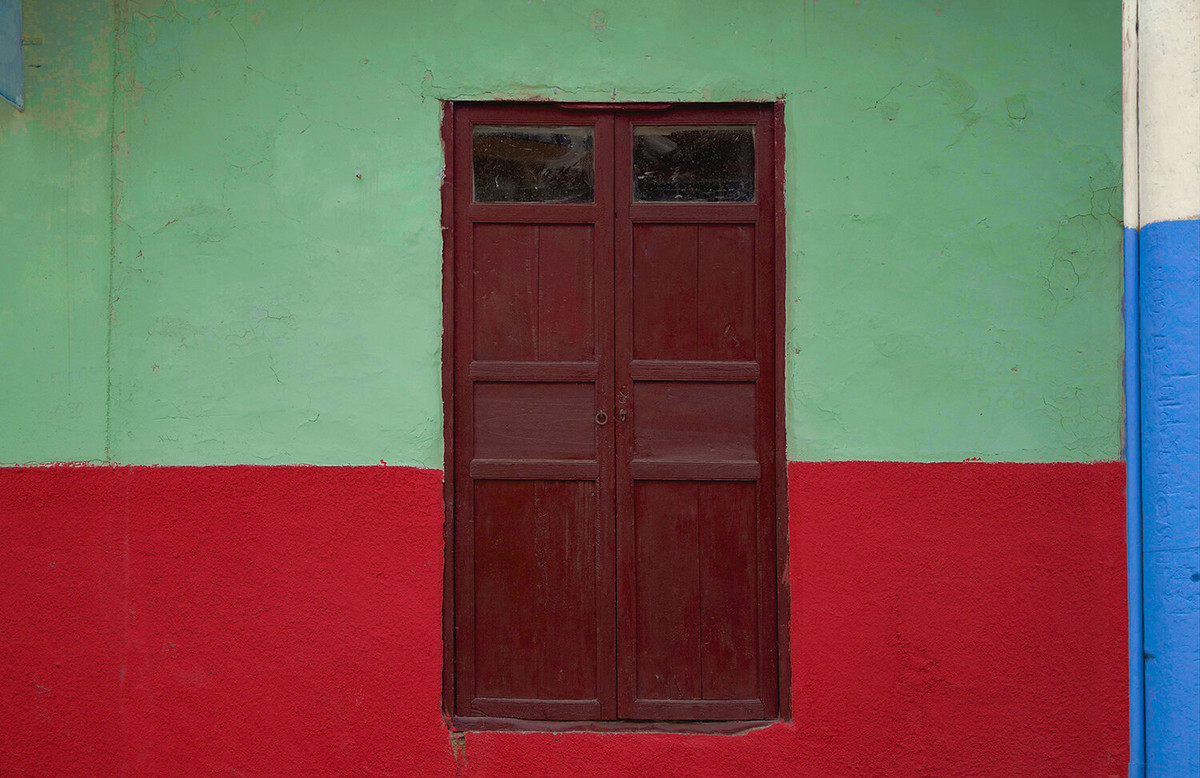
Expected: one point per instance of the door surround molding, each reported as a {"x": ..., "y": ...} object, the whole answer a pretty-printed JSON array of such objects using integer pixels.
[{"x": 660, "y": 111}]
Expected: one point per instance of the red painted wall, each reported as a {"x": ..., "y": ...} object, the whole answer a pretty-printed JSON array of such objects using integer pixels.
[{"x": 951, "y": 619}]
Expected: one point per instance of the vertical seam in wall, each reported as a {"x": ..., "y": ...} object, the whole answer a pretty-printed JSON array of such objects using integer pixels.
[
  {"x": 1132, "y": 316},
  {"x": 112, "y": 226},
  {"x": 1138, "y": 757}
]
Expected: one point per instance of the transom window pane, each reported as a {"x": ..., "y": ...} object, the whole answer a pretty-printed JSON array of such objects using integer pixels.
[
  {"x": 533, "y": 164},
  {"x": 693, "y": 164}
]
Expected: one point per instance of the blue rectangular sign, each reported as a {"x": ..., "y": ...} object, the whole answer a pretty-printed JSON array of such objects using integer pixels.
[{"x": 12, "y": 66}]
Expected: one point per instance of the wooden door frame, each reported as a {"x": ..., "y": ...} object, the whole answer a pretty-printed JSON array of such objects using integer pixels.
[{"x": 782, "y": 556}]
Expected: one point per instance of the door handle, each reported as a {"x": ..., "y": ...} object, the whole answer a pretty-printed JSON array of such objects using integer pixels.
[{"x": 601, "y": 418}]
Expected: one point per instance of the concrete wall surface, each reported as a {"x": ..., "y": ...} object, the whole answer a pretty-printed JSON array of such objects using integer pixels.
[
  {"x": 253, "y": 274},
  {"x": 221, "y": 250}
]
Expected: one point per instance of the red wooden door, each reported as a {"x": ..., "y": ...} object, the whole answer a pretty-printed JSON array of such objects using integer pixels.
[{"x": 614, "y": 414}]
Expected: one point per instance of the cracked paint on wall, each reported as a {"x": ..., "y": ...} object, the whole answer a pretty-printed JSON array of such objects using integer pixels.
[
  {"x": 276, "y": 251},
  {"x": 228, "y": 251},
  {"x": 55, "y": 242}
]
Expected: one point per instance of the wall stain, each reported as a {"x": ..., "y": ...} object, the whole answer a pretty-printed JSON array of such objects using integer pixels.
[
  {"x": 598, "y": 22},
  {"x": 1017, "y": 107}
]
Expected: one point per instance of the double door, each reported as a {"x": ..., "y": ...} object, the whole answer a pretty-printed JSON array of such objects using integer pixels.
[{"x": 613, "y": 416}]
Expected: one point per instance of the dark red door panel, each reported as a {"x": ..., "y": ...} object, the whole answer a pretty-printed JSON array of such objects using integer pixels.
[
  {"x": 533, "y": 599},
  {"x": 693, "y": 291},
  {"x": 613, "y": 413},
  {"x": 534, "y": 296},
  {"x": 695, "y": 382},
  {"x": 695, "y": 588}
]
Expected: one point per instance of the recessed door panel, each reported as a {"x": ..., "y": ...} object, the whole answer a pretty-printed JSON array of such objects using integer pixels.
[
  {"x": 665, "y": 301},
  {"x": 693, "y": 292},
  {"x": 535, "y": 590},
  {"x": 667, "y": 651},
  {"x": 696, "y": 599},
  {"x": 535, "y": 420},
  {"x": 725, "y": 292},
  {"x": 693, "y": 421},
  {"x": 729, "y": 595},
  {"x": 534, "y": 296},
  {"x": 566, "y": 302}
]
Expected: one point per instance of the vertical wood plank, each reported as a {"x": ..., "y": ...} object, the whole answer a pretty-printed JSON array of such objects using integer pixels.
[
  {"x": 464, "y": 441},
  {"x": 566, "y": 304},
  {"x": 565, "y": 608},
  {"x": 606, "y": 437},
  {"x": 535, "y": 597},
  {"x": 664, "y": 291},
  {"x": 726, "y": 320},
  {"x": 772, "y": 504},
  {"x": 728, "y": 590},
  {"x": 624, "y": 545},
  {"x": 505, "y": 263},
  {"x": 448, "y": 352},
  {"x": 668, "y": 591},
  {"x": 506, "y": 546}
]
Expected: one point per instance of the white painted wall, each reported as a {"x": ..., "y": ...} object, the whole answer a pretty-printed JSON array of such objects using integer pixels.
[{"x": 1167, "y": 53}]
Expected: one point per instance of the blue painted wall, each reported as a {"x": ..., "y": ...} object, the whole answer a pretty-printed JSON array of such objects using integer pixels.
[
  {"x": 1133, "y": 508},
  {"x": 1169, "y": 344}
]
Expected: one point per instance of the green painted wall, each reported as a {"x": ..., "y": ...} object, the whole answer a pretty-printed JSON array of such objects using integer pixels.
[
  {"x": 55, "y": 230},
  {"x": 953, "y": 202}
]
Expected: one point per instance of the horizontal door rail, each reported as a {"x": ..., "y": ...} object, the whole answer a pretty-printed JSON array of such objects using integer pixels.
[
  {"x": 666, "y": 470},
  {"x": 536, "y": 469},
  {"x": 561, "y": 710},
  {"x": 534, "y": 371},
  {"x": 535, "y": 213},
  {"x": 697, "y": 709},
  {"x": 656, "y": 370},
  {"x": 674, "y": 213}
]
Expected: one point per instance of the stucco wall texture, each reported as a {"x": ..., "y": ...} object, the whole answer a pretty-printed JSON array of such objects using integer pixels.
[
  {"x": 956, "y": 619},
  {"x": 224, "y": 217},
  {"x": 221, "y": 246}
]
